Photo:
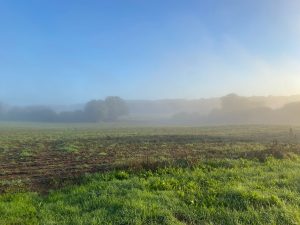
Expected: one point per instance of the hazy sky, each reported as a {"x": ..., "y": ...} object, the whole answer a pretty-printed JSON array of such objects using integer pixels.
[{"x": 69, "y": 51}]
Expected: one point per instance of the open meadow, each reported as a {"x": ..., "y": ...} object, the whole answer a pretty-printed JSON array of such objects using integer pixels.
[{"x": 112, "y": 174}]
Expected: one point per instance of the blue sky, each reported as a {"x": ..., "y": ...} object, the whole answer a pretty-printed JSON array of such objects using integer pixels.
[{"x": 62, "y": 52}]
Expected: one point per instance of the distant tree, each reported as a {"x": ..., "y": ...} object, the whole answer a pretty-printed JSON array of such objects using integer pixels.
[
  {"x": 109, "y": 109},
  {"x": 116, "y": 107},
  {"x": 233, "y": 102},
  {"x": 95, "y": 111},
  {"x": 32, "y": 113},
  {"x": 42, "y": 114},
  {"x": 289, "y": 113}
]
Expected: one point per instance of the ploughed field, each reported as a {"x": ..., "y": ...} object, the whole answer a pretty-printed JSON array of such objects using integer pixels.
[{"x": 39, "y": 157}]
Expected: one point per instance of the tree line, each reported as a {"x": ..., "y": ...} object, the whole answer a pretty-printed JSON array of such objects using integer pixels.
[
  {"x": 109, "y": 109},
  {"x": 236, "y": 109}
]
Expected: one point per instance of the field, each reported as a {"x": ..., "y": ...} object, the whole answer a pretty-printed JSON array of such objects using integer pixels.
[{"x": 112, "y": 174}]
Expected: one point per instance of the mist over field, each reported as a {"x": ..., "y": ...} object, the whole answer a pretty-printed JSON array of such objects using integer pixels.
[{"x": 229, "y": 109}]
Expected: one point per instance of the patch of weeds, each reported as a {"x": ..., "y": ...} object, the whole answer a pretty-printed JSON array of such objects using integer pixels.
[
  {"x": 122, "y": 175},
  {"x": 26, "y": 153},
  {"x": 102, "y": 153},
  {"x": 68, "y": 148}
]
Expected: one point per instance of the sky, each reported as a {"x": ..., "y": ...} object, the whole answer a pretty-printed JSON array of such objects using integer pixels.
[{"x": 71, "y": 51}]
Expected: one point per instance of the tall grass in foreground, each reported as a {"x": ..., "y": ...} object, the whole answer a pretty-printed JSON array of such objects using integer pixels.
[{"x": 215, "y": 192}]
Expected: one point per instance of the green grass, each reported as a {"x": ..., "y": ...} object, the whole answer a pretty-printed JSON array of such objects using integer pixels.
[{"x": 213, "y": 192}]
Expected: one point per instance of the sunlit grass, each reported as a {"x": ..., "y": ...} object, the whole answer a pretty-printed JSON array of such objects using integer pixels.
[{"x": 214, "y": 192}]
